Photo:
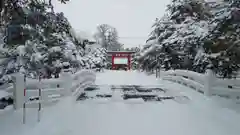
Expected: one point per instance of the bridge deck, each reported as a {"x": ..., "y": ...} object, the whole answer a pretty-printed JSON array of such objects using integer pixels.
[{"x": 130, "y": 103}]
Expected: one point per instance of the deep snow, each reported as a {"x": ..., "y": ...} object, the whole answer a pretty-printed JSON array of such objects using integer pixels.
[{"x": 114, "y": 117}]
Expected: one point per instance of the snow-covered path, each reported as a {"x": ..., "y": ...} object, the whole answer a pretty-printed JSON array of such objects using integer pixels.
[
  {"x": 198, "y": 116},
  {"x": 115, "y": 77}
]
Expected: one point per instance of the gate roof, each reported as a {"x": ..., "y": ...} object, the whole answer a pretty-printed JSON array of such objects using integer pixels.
[{"x": 111, "y": 52}]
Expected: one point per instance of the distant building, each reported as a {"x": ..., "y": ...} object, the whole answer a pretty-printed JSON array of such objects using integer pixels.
[{"x": 120, "y": 59}]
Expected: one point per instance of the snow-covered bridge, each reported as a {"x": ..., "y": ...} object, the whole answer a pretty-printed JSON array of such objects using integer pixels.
[{"x": 105, "y": 110}]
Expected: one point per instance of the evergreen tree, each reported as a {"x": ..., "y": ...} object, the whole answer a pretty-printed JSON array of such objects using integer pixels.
[
  {"x": 178, "y": 33},
  {"x": 221, "y": 45},
  {"x": 195, "y": 34},
  {"x": 36, "y": 38}
]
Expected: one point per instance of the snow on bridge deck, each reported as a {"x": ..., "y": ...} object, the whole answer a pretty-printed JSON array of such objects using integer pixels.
[{"x": 115, "y": 116}]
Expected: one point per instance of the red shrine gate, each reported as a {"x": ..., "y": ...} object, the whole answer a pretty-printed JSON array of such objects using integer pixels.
[{"x": 120, "y": 58}]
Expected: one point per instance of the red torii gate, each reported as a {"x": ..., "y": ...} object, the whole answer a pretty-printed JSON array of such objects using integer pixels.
[{"x": 120, "y": 55}]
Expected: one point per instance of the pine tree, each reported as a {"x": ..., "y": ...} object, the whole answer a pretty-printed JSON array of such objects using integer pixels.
[
  {"x": 22, "y": 31},
  {"x": 178, "y": 33},
  {"x": 221, "y": 45},
  {"x": 37, "y": 38}
]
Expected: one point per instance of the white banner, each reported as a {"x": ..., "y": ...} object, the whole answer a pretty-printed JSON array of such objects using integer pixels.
[{"x": 120, "y": 60}]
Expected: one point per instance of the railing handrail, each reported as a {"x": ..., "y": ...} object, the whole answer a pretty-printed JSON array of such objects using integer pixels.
[
  {"x": 56, "y": 86},
  {"x": 29, "y": 92},
  {"x": 204, "y": 83}
]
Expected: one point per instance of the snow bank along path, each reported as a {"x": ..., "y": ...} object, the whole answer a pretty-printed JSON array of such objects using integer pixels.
[{"x": 198, "y": 116}]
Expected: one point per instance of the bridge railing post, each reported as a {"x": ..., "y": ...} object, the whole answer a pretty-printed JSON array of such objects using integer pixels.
[
  {"x": 209, "y": 79},
  {"x": 67, "y": 82},
  {"x": 18, "y": 93}
]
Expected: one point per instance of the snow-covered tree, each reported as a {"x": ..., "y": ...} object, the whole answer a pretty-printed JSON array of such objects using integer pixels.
[
  {"x": 178, "y": 32},
  {"x": 96, "y": 58},
  {"x": 222, "y": 44},
  {"x": 36, "y": 38},
  {"x": 107, "y": 36},
  {"x": 194, "y": 34}
]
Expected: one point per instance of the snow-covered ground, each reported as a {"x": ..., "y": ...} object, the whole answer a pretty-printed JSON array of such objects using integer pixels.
[
  {"x": 115, "y": 77},
  {"x": 199, "y": 116}
]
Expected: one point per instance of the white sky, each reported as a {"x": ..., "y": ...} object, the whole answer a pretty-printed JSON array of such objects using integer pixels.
[{"x": 132, "y": 18}]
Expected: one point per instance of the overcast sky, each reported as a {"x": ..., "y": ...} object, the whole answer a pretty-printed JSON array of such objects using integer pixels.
[{"x": 132, "y": 18}]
